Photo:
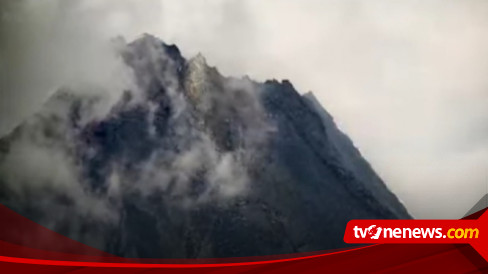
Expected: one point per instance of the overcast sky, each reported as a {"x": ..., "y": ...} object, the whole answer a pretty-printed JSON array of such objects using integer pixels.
[{"x": 406, "y": 80}]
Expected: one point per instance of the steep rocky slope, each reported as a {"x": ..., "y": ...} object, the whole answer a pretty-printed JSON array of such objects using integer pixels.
[{"x": 190, "y": 164}]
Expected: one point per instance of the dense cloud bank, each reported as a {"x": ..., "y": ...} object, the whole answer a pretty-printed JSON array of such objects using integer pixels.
[{"x": 404, "y": 79}]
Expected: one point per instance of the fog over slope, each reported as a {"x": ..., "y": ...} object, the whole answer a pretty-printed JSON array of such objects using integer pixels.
[
  {"x": 405, "y": 79},
  {"x": 187, "y": 163}
]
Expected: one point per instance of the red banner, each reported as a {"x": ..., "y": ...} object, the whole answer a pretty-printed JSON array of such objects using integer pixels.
[
  {"x": 473, "y": 232},
  {"x": 27, "y": 247}
]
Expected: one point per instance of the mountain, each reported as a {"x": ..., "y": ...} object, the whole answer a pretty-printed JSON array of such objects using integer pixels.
[{"x": 189, "y": 163}]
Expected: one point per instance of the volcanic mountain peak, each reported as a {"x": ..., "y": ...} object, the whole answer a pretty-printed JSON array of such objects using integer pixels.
[
  {"x": 190, "y": 163},
  {"x": 199, "y": 60}
]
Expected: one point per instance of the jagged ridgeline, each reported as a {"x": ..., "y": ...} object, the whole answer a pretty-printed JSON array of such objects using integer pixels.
[{"x": 189, "y": 163}]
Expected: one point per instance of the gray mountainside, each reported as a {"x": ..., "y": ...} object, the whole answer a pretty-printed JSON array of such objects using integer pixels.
[{"x": 190, "y": 164}]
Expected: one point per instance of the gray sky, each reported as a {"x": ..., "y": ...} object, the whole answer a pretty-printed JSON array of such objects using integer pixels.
[{"x": 406, "y": 80}]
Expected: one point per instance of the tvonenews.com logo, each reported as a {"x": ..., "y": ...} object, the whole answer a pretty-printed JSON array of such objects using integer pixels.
[
  {"x": 375, "y": 232},
  {"x": 467, "y": 231}
]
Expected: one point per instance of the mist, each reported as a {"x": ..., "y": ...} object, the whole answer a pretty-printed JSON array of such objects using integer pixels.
[{"x": 406, "y": 80}]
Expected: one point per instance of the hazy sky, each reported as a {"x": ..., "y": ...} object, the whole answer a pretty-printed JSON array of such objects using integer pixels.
[{"x": 406, "y": 80}]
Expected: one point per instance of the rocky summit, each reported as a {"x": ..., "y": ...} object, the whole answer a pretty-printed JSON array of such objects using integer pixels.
[{"x": 188, "y": 163}]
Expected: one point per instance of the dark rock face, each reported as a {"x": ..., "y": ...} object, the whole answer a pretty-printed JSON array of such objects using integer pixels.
[{"x": 191, "y": 164}]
